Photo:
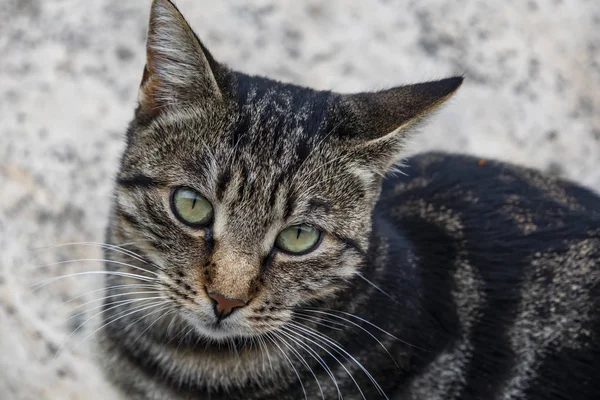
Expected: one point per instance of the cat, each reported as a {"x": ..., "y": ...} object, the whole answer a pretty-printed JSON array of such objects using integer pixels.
[{"x": 273, "y": 253}]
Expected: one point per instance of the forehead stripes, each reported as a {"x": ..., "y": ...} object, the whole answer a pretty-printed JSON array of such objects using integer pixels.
[
  {"x": 276, "y": 128},
  {"x": 270, "y": 110}
]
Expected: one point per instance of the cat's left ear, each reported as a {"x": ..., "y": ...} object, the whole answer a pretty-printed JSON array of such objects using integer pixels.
[
  {"x": 179, "y": 69},
  {"x": 381, "y": 121}
]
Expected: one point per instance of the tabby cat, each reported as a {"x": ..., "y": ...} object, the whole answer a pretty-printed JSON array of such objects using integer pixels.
[{"x": 271, "y": 255}]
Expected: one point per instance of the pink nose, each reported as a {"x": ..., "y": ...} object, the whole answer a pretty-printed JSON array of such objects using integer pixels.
[{"x": 225, "y": 306}]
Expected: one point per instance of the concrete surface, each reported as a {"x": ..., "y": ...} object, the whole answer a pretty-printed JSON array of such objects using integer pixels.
[{"x": 69, "y": 71}]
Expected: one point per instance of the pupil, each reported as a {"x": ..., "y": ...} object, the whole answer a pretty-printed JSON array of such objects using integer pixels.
[
  {"x": 298, "y": 232},
  {"x": 194, "y": 202}
]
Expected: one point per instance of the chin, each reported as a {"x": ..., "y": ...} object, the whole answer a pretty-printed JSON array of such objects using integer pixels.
[{"x": 215, "y": 330}]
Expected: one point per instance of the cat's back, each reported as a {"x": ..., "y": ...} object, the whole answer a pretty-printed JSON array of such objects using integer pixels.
[
  {"x": 521, "y": 252},
  {"x": 495, "y": 200}
]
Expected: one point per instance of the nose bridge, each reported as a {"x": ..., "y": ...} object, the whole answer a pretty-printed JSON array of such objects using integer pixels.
[{"x": 235, "y": 271}]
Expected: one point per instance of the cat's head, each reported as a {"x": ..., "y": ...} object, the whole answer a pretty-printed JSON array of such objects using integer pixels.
[{"x": 249, "y": 196}]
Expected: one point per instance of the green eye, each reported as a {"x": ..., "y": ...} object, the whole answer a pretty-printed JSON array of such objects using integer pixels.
[
  {"x": 299, "y": 239},
  {"x": 190, "y": 207}
]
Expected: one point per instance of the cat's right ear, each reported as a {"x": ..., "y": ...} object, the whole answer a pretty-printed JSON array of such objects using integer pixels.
[{"x": 179, "y": 70}]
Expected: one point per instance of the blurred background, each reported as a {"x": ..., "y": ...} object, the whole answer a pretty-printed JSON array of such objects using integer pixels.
[{"x": 69, "y": 73}]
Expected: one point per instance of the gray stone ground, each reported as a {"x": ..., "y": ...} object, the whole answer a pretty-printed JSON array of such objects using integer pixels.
[{"x": 68, "y": 79}]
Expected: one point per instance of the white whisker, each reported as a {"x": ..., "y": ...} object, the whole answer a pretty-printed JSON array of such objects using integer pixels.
[
  {"x": 290, "y": 362},
  {"x": 116, "y": 319},
  {"x": 332, "y": 342},
  {"x": 114, "y": 287},
  {"x": 107, "y": 246},
  {"x": 99, "y": 260},
  {"x": 361, "y": 319},
  {"x": 376, "y": 287},
  {"x": 300, "y": 358},
  {"x": 334, "y": 357},
  {"x": 293, "y": 335},
  {"x": 109, "y": 303},
  {"x": 263, "y": 344},
  {"x": 112, "y": 305},
  {"x": 318, "y": 321},
  {"x": 166, "y": 307},
  {"x": 184, "y": 336},
  {"x": 84, "y": 323},
  {"x": 370, "y": 334},
  {"x": 39, "y": 285}
]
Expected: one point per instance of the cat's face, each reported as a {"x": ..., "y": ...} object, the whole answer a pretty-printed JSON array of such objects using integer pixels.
[
  {"x": 255, "y": 203},
  {"x": 250, "y": 197}
]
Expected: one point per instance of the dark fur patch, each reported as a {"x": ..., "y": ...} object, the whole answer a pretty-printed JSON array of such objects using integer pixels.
[{"x": 138, "y": 181}]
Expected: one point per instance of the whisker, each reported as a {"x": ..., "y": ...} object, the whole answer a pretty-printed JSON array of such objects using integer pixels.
[
  {"x": 293, "y": 336},
  {"x": 111, "y": 306},
  {"x": 114, "y": 287},
  {"x": 106, "y": 246},
  {"x": 61, "y": 347},
  {"x": 166, "y": 307},
  {"x": 235, "y": 349},
  {"x": 290, "y": 362},
  {"x": 376, "y": 287},
  {"x": 126, "y": 327},
  {"x": 114, "y": 273},
  {"x": 332, "y": 356},
  {"x": 318, "y": 321},
  {"x": 334, "y": 343},
  {"x": 373, "y": 336},
  {"x": 263, "y": 344},
  {"x": 184, "y": 336},
  {"x": 316, "y": 310},
  {"x": 99, "y": 260},
  {"x": 169, "y": 327},
  {"x": 107, "y": 304},
  {"x": 116, "y": 319},
  {"x": 173, "y": 337},
  {"x": 301, "y": 359}
]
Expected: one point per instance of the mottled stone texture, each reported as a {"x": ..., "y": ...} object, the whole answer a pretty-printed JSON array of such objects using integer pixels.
[{"x": 69, "y": 72}]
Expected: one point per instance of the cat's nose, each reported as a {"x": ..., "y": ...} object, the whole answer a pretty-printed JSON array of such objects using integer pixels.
[{"x": 224, "y": 305}]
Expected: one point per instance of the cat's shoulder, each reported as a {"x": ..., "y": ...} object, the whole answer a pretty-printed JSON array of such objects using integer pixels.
[
  {"x": 465, "y": 182},
  {"x": 490, "y": 203}
]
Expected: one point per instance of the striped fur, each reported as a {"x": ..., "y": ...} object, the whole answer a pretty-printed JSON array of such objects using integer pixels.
[{"x": 458, "y": 280}]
